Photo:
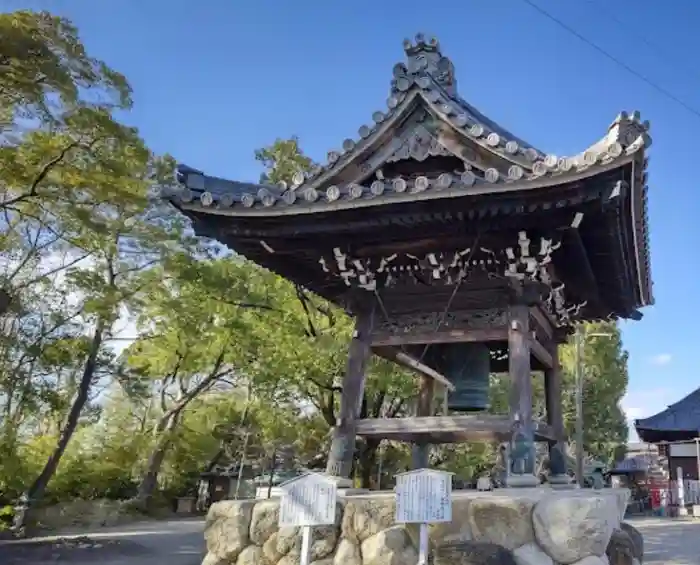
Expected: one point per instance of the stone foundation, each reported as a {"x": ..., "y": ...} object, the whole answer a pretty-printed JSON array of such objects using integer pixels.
[{"x": 537, "y": 526}]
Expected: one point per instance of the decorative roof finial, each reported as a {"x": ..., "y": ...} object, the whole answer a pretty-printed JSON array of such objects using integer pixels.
[
  {"x": 424, "y": 57},
  {"x": 431, "y": 46}
]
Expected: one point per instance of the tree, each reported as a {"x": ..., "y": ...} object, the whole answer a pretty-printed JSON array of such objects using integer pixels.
[
  {"x": 74, "y": 184},
  {"x": 605, "y": 379},
  {"x": 282, "y": 160},
  {"x": 195, "y": 337},
  {"x": 45, "y": 69}
]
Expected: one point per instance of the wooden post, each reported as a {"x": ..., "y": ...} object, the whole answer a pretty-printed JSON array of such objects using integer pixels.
[
  {"x": 343, "y": 436},
  {"x": 420, "y": 452},
  {"x": 555, "y": 419},
  {"x": 522, "y": 456}
]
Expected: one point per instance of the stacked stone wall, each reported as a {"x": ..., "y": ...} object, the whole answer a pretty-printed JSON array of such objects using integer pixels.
[{"x": 533, "y": 527}]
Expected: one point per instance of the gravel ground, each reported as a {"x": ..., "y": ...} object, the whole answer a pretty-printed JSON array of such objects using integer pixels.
[{"x": 670, "y": 542}]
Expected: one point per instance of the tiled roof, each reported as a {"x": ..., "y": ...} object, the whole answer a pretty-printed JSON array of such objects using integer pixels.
[
  {"x": 425, "y": 116},
  {"x": 684, "y": 415},
  {"x": 426, "y": 80},
  {"x": 636, "y": 464}
]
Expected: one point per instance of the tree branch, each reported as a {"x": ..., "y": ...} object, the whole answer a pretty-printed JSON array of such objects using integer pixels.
[
  {"x": 43, "y": 173},
  {"x": 303, "y": 299}
]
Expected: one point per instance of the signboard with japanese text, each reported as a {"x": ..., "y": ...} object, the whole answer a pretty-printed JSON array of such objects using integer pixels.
[
  {"x": 424, "y": 496},
  {"x": 308, "y": 500}
]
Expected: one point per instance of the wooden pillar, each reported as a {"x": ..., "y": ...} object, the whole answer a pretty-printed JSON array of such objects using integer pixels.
[
  {"x": 522, "y": 451},
  {"x": 343, "y": 436},
  {"x": 555, "y": 419},
  {"x": 420, "y": 452}
]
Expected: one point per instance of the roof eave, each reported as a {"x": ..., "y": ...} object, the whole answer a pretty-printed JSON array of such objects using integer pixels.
[{"x": 185, "y": 199}]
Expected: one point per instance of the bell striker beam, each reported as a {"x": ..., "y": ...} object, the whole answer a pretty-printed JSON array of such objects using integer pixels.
[{"x": 343, "y": 436}]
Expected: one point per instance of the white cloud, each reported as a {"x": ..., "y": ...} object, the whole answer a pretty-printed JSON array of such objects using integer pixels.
[{"x": 661, "y": 359}]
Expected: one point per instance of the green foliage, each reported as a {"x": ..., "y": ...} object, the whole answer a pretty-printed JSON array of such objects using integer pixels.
[
  {"x": 605, "y": 380},
  {"x": 282, "y": 160}
]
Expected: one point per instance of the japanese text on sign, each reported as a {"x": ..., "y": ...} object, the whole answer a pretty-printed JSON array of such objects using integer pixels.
[
  {"x": 424, "y": 497},
  {"x": 308, "y": 501}
]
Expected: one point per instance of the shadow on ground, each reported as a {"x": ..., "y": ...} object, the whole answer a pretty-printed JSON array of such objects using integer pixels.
[{"x": 80, "y": 550}]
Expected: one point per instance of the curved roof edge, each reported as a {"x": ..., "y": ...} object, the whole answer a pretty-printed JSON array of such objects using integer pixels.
[{"x": 682, "y": 416}]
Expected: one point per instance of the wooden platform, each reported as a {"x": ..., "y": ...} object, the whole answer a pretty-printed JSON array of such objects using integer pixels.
[{"x": 446, "y": 429}]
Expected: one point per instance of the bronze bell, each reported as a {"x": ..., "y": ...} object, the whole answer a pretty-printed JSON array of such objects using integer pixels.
[{"x": 468, "y": 367}]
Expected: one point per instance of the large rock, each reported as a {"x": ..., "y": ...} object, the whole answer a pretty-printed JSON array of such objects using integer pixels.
[
  {"x": 288, "y": 540},
  {"x": 291, "y": 559},
  {"x": 637, "y": 540},
  {"x": 226, "y": 529},
  {"x": 211, "y": 559},
  {"x": 473, "y": 553},
  {"x": 593, "y": 560},
  {"x": 264, "y": 521},
  {"x": 503, "y": 519},
  {"x": 366, "y": 517},
  {"x": 347, "y": 553},
  {"x": 323, "y": 541},
  {"x": 456, "y": 531},
  {"x": 531, "y": 554},
  {"x": 269, "y": 549},
  {"x": 620, "y": 550},
  {"x": 389, "y": 547},
  {"x": 251, "y": 555},
  {"x": 572, "y": 527}
]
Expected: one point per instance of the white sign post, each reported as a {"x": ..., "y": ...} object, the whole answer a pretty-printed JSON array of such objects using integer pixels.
[
  {"x": 681, "y": 492},
  {"x": 307, "y": 501},
  {"x": 423, "y": 496}
]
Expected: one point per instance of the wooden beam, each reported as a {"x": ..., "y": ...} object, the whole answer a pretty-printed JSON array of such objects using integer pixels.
[
  {"x": 555, "y": 418},
  {"x": 446, "y": 429},
  {"x": 406, "y": 360},
  {"x": 540, "y": 352},
  {"x": 442, "y": 336},
  {"x": 420, "y": 453},
  {"x": 542, "y": 320},
  {"x": 343, "y": 435},
  {"x": 519, "y": 342},
  {"x": 580, "y": 279},
  {"x": 520, "y": 400},
  {"x": 553, "y": 399}
]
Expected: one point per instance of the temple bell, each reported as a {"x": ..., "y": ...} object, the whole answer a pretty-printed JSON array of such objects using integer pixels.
[{"x": 468, "y": 367}]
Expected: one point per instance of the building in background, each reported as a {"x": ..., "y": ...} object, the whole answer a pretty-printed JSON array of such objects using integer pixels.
[{"x": 676, "y": 432}]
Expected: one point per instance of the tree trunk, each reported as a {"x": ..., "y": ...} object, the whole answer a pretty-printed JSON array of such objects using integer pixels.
[
  {"x": 38, "y": 488},
  {"x": 366, "y": 462},
  {"x": 149, "y": 482},
  {"x": 164, "y": 432}
]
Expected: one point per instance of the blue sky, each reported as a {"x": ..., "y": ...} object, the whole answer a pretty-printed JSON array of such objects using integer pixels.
[{"x": 215, "y": 79}]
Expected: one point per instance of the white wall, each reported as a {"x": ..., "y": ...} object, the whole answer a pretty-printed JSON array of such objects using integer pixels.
[{"x": 683, "y": 450}]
